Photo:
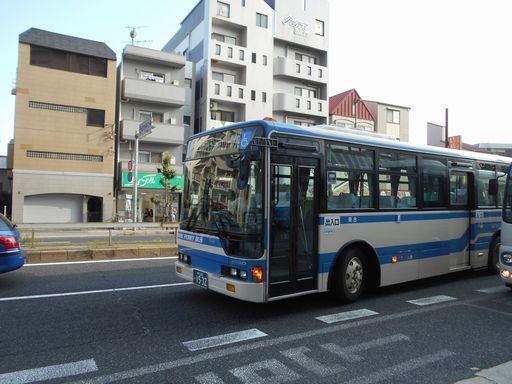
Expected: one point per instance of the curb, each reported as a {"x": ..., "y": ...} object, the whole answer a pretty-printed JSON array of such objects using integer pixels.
[{"x": 49, "y": 255}]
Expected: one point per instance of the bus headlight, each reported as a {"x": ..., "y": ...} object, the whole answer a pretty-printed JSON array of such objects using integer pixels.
[
  {"x": 506, "y": 258},
  {"x": 505, "y": 274}
]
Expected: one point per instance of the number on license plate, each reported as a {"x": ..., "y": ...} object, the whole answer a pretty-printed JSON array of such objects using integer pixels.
[{"x": 200, "y": 278}]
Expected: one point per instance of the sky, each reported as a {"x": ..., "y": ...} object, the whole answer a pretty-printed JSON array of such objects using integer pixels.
[{"x": 428, "y": 55}]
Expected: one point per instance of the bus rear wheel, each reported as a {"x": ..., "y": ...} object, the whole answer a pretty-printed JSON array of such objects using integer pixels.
[{"x": 350, "y": 276}]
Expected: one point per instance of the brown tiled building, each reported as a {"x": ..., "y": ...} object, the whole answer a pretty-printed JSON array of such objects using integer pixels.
[{"x": 63, "y": 162}]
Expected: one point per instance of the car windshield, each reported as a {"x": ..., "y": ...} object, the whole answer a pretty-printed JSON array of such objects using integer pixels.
[{"x": 223, "y": 196}]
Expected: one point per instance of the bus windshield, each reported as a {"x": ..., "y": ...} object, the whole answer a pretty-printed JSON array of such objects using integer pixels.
[
  {"x": 223, "y": 196},
  {"x": 507, "y": 209}
]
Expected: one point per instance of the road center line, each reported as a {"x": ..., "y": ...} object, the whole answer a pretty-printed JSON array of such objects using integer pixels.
[
  {"x": 49, "y": 373},
  {"x": 229, "y": 338},
  {"x": 47, "y": 296},
  {"x": 101, "y": 261}
]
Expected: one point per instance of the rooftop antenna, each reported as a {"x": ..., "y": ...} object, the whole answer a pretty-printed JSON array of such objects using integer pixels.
[{"x": 133, "y": 34}]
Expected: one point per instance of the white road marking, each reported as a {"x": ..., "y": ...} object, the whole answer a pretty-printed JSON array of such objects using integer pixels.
[
  {"x": 49, "y": 373},
  {"x": 79, "y": 293},
  {"x": 100, "y": 261},
  {"x": 497, "y": 289},
  {"x": 229, "y": 338},
  {"x": 431, "y": 300},
  {"x": 401, "y": 368},
  {"x": 344, "y": 316},
  {"x": 350, "y": 353}
]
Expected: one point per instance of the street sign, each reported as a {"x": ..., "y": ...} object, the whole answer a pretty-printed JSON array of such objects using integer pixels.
[{"x": 145, "y": 127}]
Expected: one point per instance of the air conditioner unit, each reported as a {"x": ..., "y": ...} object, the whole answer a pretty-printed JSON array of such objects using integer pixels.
[
  {"x": 175, "y": 82},
  {"x": 173, "y": 121},
  {"x": 214, "y": 105}
]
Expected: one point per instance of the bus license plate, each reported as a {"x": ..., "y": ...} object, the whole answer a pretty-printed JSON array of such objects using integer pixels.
[{"x": 200, "y": 278}]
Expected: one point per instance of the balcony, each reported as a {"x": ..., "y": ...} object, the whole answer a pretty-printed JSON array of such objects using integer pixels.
[
  {"x": 303, "y": 105},
  {"x": 162, "y": 133},
  {"x": 154, "y": 92},
  {"x": 284, "y": 66},
  {"x": 231, "y": 54}
]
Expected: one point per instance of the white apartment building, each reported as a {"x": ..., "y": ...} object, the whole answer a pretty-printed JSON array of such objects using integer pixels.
[
  {"x": 257, "y": 59},
  {"x": 158, "y": 85}
]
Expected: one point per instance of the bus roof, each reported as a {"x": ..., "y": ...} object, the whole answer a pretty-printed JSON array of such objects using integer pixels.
[{"x": 330, "y": 132}]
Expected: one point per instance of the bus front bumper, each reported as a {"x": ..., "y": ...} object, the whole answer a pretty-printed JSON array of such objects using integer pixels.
[{"x": 243, "y": 290}]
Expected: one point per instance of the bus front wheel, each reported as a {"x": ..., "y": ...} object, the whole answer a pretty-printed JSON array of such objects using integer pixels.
[
  {"x": 350, "y": 276},
  {"x": 494, "y": 253}
]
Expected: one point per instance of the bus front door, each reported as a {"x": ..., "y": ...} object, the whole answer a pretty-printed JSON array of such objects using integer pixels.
[{"x": 293, "y": 256}]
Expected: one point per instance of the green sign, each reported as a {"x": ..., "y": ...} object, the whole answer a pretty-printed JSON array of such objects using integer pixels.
[{"x": 152, "y": 180}]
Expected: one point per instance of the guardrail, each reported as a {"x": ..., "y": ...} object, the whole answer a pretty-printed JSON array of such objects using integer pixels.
[{"x": 32, "y": 229}]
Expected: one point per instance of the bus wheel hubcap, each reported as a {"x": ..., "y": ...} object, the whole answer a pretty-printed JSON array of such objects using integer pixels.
[{"x": 354, "y": 275}]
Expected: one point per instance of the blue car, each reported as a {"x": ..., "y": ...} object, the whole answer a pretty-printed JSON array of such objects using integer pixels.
[{"x": 11, "y": 255}]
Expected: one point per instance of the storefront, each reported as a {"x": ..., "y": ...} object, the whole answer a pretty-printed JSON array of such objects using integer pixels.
[{"x": 151, "y": 198}]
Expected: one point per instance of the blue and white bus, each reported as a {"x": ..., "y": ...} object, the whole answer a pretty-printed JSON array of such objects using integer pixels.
[
  {"x": 272, "y": 210},
  {"x": 506, "y": 234}
]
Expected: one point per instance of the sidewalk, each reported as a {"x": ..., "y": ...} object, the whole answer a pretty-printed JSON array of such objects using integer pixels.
[{"x": 500, "y": 374}]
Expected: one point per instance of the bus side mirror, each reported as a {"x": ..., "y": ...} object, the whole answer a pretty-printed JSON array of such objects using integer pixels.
[{"x": 493, "y": 187}]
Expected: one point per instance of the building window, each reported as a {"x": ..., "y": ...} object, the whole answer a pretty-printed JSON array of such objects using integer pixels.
[
  {"x": 261, "y": 20},
  {"x": 320, "y": 74},
  {"x": 243, "y": 3},
  {"x": 225, "y": 77},
  {"x": 242, "y": 55},
  {"x": 222, "y": 9},
  {"x": 241, "y": 93},
  {"x": 264, "y": 59},
  {"x": 188, "y": 83},
  {"x": 224, "y": 38},
  {"x": 95, "y": 117},
  {"x": 319, "y": 27},
  {"x": 309, "y": 71},
  {"x": 264, "y": 97},
  {"x": 309, "y": 105},
  {"x": 230, "y": 52},
  {"x": 217, "y": 49},
  {"x": 297, "y": 103},
  {"x": 217, "y": 89},
  {"x": 64, "y": 156},
  {"x": 229, "y": 91},
  {"x": 298, "y": 91},
  {"x": 158, "y": 117},
  {"x": 393, "y": 116},
  {"x": 297, "y": 68},
  {"x": 319, "y": 107},
  {"x": 253, "y": 95},
  {"x": 254, "y": 57},
  {"x": 223, "y": 115},
  {"x": 186, "y": 120},
  {"x": 67, "y": 61},
  {"x": 144, "y": 157}
]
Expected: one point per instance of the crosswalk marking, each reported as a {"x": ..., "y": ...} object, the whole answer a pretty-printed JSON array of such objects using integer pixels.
[
  {"x": 431, "y": 300},
  {"x": 496, "y": 289},
  {"x": 229, "y": 338},
  {"x": 344, "y": 316},
  {"x": 49, "y": 373}
]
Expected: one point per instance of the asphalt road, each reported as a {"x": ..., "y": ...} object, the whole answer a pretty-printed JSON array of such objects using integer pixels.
[{"x": 135, "y": 322}]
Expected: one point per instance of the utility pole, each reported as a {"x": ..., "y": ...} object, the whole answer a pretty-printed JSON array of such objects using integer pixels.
[{"x": 446, "y": 143}]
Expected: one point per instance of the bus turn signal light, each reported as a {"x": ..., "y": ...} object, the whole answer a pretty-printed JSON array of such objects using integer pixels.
[
  {"x": 257, "y": 274},
  {"x": 394, "y": 259}
]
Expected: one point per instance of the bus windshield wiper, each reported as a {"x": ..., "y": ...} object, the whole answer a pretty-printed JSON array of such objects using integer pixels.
[{"x": 194, "y": 215}]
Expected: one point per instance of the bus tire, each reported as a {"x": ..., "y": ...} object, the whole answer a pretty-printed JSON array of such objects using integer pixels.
[
  {"x": 494, "y": 254},
  {"x": 350, "y": 276}
]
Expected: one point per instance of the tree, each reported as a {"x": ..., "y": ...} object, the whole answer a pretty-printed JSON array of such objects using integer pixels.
[{"x": 167, "y": 174}]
